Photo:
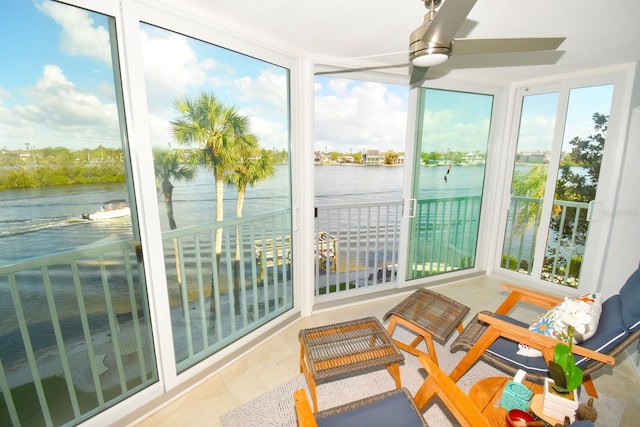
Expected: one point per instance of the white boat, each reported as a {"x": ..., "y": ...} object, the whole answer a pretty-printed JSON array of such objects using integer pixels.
[{"x": 109, "y": 210}]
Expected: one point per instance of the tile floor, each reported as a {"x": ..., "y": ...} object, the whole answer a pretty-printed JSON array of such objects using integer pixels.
[{"x": 276, "y": 361}]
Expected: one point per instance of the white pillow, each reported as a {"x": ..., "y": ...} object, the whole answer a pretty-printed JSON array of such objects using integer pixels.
[{"x": 546, "y": 323}]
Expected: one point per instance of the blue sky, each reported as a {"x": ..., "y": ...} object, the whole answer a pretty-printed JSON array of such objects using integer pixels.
[
  {"x": 352, "y": 115},
  {"x": 539, "y": 116},
  {"x": 56, "y": 89},
  {"x": 456, "y": 121},
  {"x": 56, "y": 84},
  {"x": 176, "y": 65}
]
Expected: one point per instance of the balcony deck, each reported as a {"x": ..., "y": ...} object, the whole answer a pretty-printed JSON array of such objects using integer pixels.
[{"x": 276, "y": 360}]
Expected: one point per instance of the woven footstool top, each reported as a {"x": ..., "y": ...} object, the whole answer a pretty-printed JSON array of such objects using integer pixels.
[
  {"x": 435, "y": 313},
  {"x": 348, "y": 347}
]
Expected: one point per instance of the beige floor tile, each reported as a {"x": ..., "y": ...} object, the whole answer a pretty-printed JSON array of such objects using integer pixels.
[{"x": 277, "y": 361}]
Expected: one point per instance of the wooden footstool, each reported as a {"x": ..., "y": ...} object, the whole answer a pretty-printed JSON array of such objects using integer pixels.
[
  {"x": 429, "y": 315},
  {"x": 339, "y": 349}
]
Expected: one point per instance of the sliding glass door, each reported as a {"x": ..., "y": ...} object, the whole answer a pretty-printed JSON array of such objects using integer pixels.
[
  {"x": 220, "y": 135},
  {"x": 448, "y": 181},
  {"x": 75, "y": 335},
  {"x": 556, "y": 170}
]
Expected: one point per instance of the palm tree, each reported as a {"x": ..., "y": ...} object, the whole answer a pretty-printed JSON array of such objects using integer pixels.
[
  {"x": 219, "y": 130},
  {"x": 529, "y": 184},
  {"x": 252, "y": 166},
  {"x": 171, "y": 165}
]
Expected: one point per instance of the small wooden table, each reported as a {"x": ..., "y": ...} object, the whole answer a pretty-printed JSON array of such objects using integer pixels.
[
  {"x": 536, "y": 408},
  {"x": 429, "y": 315},
  {"x": 486, "y": 395},
  {"x": 330, "y": 351}
]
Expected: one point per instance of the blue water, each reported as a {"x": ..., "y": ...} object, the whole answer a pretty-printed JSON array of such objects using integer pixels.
[
  {"x": 42, "y": 221},
  {"x": 45, "y": 221}
]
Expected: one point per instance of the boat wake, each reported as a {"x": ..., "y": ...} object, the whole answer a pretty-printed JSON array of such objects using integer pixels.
[{"x": 17, "y": 227}]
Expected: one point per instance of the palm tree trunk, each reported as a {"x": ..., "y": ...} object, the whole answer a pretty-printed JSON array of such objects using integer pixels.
[
  {"x": 218, "y": 242},
  {"x": 168, "y": 201},
  {"x": 237, "y": 282},
  {"x": 219, "y": 212}
]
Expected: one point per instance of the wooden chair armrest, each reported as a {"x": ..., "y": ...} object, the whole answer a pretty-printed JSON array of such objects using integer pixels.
[
  {"x": 544, "y": 343},
  {"x": 518, "y": 294},
  {"x": 303, "y": 409},
  {"x": 452, "y": 396}
]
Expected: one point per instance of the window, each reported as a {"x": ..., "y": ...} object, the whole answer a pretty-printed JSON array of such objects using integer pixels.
[
  {"x": 220, "y": 131},
  {"x": 453, "y": 133},
  {"x": 75, "y": 336},
  {"x": 360, "y": 133},
  {"x": 555, "y": 179}
]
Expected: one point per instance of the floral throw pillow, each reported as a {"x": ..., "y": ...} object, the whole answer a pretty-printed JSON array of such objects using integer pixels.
[{"x": 585, "y": 309}]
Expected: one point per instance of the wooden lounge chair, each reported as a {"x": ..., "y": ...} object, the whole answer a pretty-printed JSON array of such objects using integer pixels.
[
  {"x": 494, "y": 337},
  {"x": 396, "y": 407}
]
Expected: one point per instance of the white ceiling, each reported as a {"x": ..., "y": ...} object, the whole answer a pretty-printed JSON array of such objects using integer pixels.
[{"x": 598, "y": 33}]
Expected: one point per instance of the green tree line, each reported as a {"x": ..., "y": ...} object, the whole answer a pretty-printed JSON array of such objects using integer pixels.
[{"x": 60, "y": 166}]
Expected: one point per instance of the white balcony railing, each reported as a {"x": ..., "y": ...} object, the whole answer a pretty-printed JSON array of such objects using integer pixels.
[
  {"x": 218, "y": 298},
  {"x": 356, "y": 246},
  {"x": 76, "y": 324},
  {"x": 565, "y": 243},
  {"x": 76, "y": 336}
]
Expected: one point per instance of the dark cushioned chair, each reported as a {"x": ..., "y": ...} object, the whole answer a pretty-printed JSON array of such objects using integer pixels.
[
  {"x": 494, "y": 337},
  {"x": 393, "y": 408},
  {"x": 396, "y": 408}
]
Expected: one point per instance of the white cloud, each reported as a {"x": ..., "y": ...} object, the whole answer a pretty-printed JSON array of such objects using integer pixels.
[
  {"x": 269, "y": 87},
  {"x": 60, "y": 114},
  {"x": 359, "y": 114},
  {"x": 444, "y": 131},
  {"x": 536, "y": 133},
  {"x": 270, "y": 134},
  {"x": 80, "y": 35},
  {"x": 171, "y": 68}
]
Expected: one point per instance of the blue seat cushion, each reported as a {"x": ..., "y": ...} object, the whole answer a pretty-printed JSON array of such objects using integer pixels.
[
  {"x": 611, "y": 329},
  {"x": 630, "y": 302},
  {"x": 395, "y": 410},
  {"x": 582, "y": 423},
  {"x": 507, "y": 349}
]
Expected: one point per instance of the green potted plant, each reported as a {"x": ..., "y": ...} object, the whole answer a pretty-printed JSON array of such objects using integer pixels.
[{"x": 560, "y": 395}]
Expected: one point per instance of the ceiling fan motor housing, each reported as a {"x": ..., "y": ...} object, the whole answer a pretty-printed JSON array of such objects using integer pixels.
[{"x": 419, "y": 47}]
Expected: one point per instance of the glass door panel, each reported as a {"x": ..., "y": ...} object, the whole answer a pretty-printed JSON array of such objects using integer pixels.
[
  {"x": 220, "y": 134},
  {"x": 557, "y": 165},
  {"x": 75, "y": 336},
  {"x": 585, "y": 133},
  {"x": 535, "y": 141},
  {"x": 453, "y": 133}
]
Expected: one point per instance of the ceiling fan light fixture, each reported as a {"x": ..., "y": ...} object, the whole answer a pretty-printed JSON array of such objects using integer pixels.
[{"x": 429, "y": 59}]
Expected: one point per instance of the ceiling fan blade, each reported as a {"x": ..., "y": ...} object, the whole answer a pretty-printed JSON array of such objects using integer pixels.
[
  {"x": 481, "y": 46},
  {"x": 493, "y": 60},
  {"x": 418, "y": 75},
  {"x": 447, "y": 21},
  {"x": 357, "y": 69}
]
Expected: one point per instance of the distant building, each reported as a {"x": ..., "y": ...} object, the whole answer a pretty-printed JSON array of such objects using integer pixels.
[
  {"x": 373, "y": 158},
  {"x": 535, "y": 157},
  {"x": 319, "y": 158}
]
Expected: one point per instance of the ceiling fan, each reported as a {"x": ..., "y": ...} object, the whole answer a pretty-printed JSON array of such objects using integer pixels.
[{"x": 433, "y": 42}]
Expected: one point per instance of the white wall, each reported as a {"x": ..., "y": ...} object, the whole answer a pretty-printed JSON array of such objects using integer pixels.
[{"x": 623, "y": 248}]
